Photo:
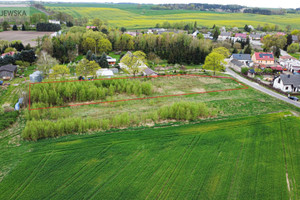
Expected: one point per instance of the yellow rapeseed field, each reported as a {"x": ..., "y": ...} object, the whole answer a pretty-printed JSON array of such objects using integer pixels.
[{"x": 133, "y": 20}]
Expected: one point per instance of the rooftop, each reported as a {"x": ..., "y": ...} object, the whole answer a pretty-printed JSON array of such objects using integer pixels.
[
  {"x": 9, "y": 68},
  {"x": 241, "y": 56},
  {"x": 291, "y": 80},
  {"x": 264, "y": 56}
]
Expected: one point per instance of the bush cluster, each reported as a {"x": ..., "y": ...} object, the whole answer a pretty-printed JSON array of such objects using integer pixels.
[
  {"x": 184, "y": 111},
  {"x": 60, "y": 93},
  {"x": 8, "y": 118},
  {"x": 38, "y": 129},
  {"x": 47, "y": 27}
]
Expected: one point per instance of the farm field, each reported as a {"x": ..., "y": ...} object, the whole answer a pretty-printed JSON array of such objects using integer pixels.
[
  {"x": 27, "y": 37},
  {"x": 246, "y": 158},
  {"x": 140, "y": 17}
]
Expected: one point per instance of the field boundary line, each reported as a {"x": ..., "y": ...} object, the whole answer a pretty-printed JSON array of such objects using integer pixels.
[{"x": 135, "y": 99}]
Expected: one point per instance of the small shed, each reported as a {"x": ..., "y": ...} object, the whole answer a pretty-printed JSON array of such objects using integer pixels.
[
  {"x": 114, "y": 70},
  {"x": 36, "y": 77},
  {"x": 149, "y": 72},
  {"x": 8, "y": 71},
  {"x": 105, "y": 72}
]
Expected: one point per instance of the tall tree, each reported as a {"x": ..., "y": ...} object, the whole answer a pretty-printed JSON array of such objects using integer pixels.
[
  {"x": 133, "y": 63},
  {"x": 45, "y": 62},
  {"x": 86, "y": 67},
  {"x": 59, "y": 70},
  {"x": 103, "y": 61},
  {"x": 248, "y": 49},
  {"x": 214, "y": 61},
  {"x": 223, "y": 51},
  {"x": 5, "y": 26},
  {"x": 216, "y": 33}
]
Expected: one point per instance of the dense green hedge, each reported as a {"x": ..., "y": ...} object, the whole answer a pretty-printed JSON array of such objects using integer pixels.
[
  {"x": 61, "y": 93},
  {"x": 7, "y": 119},
  {"x": 38, "y": 129}
]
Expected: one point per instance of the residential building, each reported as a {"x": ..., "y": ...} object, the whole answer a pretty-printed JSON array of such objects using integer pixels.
[
  {"x": 263, "y": 58},
  {"x": 237, "y": 65},
  {"x": 11, "y": 53},
  {"x": 295, "y": 38},
  {"x": 53, "y": 21},
  {"x": 255, "y": 36},
  {"x": 244, "y": 58},
  {"x": 111, "y": 61},
  {"x": 132, "y": 33},
  {"x": 224, "y": 36},
  {"x": 91, "y": 27},
  {"x": 195, "y": 33},
  {"x": 290, "y": 63},
  {"x": 287, "y": 83},
  {"x": 241, "y": 35}
]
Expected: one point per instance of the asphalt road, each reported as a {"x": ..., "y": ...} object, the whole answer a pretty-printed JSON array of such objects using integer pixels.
[{"x": 263, "y": 89}]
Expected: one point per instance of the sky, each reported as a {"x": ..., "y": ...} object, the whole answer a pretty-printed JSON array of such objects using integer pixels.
[{"x": 249, "y": 3}]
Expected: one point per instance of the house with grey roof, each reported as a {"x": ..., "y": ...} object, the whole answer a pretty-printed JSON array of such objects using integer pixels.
[
  {"x": 255, "y": 36},
  {"x": 287, "y": 83},
  {"x": 244, "y": 58},
  {"x": 237, "y": 65},
  {"x": 295, "y": 38},
  {"x": 224, "y": 36}
]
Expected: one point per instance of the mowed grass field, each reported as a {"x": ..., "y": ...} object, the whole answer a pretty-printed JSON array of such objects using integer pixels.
[
  {"x": 247, "y": 158},
  {"x": 139, "y": 17}
]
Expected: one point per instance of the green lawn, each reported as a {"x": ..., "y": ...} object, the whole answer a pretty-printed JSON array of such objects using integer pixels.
[
  {"x": 295, "y": 55},
  {"x": 246, "y": 158}
]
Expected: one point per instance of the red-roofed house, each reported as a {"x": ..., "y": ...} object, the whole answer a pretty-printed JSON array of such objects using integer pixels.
[
  {"x": 8, "y": 54},
  {"x": 280, "y": 33},
  {"x": 263, "y": 58},
  {"x": 241, "y": 35},
  {"x": 91, "y": 27}
]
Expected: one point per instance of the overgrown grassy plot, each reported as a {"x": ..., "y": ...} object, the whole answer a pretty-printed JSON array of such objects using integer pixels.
[
  {"x": 65, "y": 93},
  {"x": 234, "y": 159}
]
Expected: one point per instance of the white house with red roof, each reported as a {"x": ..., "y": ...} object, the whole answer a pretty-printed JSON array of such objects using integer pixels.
[{"x": 264, "y": 58}]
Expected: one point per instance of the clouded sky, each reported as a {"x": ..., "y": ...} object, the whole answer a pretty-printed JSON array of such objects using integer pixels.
[{"x": 250, "y": 3}]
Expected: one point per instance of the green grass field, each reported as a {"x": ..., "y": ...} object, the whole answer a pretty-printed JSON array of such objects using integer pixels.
[
  {"x": 247, "y": 158},
  {"x": 139, "y": 17}
]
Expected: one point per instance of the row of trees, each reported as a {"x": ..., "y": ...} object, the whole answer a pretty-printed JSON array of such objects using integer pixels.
[
  {"x": 62, "y": 93},
  {"x": 198, "y": 6},
  {"x": 48, "y": 27},
  {"x": 39, "y": 129},
  {"x": 176, "y": 48}
]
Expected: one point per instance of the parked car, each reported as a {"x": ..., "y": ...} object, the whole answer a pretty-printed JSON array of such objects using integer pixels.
[{"x": 294, "y": 98}]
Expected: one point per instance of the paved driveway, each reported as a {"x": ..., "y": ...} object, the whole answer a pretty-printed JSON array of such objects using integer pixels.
[{"x": 262, "y": 89}]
